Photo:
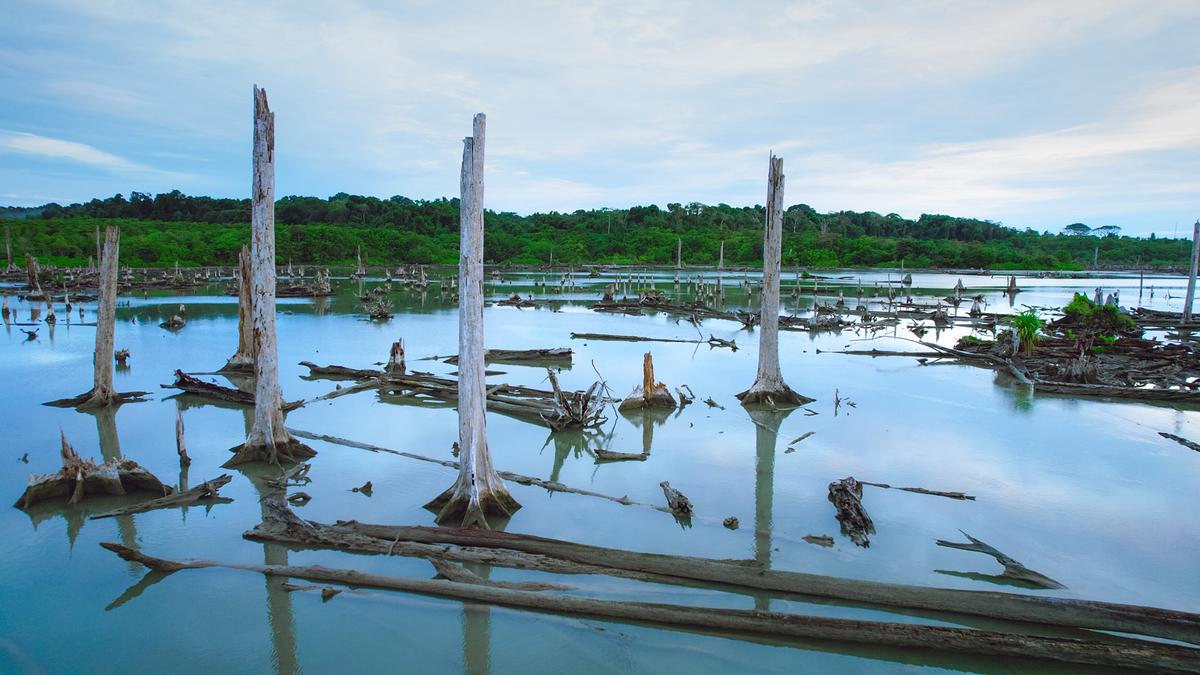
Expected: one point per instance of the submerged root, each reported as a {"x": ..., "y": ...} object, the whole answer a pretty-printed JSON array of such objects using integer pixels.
[
  {"x": 287, "y": 452},
  {"x": 779, "y": 397}
]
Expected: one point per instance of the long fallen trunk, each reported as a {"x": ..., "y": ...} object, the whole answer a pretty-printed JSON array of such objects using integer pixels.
[
  {"x": 1134, "y": 655},
  {"x": 208, "y": 491},
  {"x": 522, "y": 355},
  {"x": 1165, "y": 623},
  {"x": 197, "y": 387}
]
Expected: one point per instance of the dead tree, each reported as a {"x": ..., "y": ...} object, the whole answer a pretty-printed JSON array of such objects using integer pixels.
[
  {"x": 1191, "y": 287},
  {"x": 650, "y": 393},
  {"x": 395, "y": 364},
  {"x": 268, "y": 439},
  {"x": 8, "y": 250},
  {"x": 243, "y": 359},
  {"x": 479, "y": 490},
  {"x": 769, "y": 388}
]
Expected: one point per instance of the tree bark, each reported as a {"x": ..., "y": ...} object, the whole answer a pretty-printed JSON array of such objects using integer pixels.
[
  {"x": 479, "y": 490},
  {"x": 103, "y": 393},
  {"x": 1191, "y": 287},
  {"x": 769, "y": 388},
  {"x": 268, "y": 439},
  {"x": 243, "y": 359}
]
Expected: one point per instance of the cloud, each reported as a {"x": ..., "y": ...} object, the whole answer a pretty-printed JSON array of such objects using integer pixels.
[{"x": 56, "y": 148}]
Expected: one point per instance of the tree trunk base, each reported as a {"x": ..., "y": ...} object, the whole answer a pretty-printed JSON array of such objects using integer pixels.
[
  {"x": 783, "y": 397},
  {"x": 91, "y": 399},
  {"x": 455, "y": 507},
  {"x": 239, "y": 365},
  {"x": 288, "y": 452}
]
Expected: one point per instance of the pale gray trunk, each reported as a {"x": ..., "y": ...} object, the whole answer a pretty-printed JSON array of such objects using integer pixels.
[
  {"x": 479, "y": 490},
  {"x": 8, "y": 249},
  {"x": 769, "y": 387},
  {"x": 268, "y": 439},
  {"x": 1191, "y": 287},
  {"x": 243, "y": 358},
  {"x": 106, "y": 313}
]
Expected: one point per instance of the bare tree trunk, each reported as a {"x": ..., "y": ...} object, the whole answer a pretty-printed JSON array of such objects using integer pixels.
[
  {"x": 479, "y": 490},
  {"x": 243, "y": 359},
  {"x": 721, "y": 257},
  {"x": 97, "y": 242},
  {"x": 268, "y": 439},
  {"x": 769, "y": 388},
  {"x": 1191, "y": 287},
  {"x": 8, "y": 248},
  {"x": 103, "y": 393}
]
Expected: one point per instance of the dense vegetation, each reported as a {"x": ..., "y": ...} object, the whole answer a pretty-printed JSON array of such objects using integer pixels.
[{"x": 168, "y": 228}]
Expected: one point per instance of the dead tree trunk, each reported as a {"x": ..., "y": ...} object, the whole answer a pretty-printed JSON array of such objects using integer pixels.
[
  {"x": 651, "y": 393},
  {"x": 268, "y": 439},
  {"x": 243, "y": 359},
  {"x": 479, "y": 490},
  {"x": 1191, "y": 287},
  {"x": 395, "y": 364},
  {"x": 8, "y": 249},
  {"x": 769, "y": 388},
  {"x": 102, "y": 393}
]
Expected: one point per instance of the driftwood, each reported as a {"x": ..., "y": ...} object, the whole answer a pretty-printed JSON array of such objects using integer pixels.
[
  {"x": 711, "y": 341},
  {"x": 1180, "y": 440},
  {"x": 551, "y": 485},
  {"x": 610, "y": 456},
  {"x": 340, "y": 372},
  {"x": 197, "y": 387},
  {"x": 822, "y": 540},
  {"x": 1141, "y": 655},
  {"x": 521, "y": 355},
  {"x": 678, "y": 502},
  {"x": 1066, "y": 612},
  {"x": 208, "y": 492},
  {"x": 79, "y": 477},
  {"x": 922, "y": 491},
  {"x": 846, "y": 496},
  {"x": 1013, "y": 570}
]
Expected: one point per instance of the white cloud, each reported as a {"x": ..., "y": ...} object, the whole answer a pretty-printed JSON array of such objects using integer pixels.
[{"x": 56, "y": 148}]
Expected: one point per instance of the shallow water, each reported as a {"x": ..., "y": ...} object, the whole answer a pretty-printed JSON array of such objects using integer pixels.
[{"x": 1084, "y": 491}]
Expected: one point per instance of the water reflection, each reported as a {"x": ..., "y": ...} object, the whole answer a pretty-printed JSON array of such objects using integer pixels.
[{"x": 766, "y": 437}]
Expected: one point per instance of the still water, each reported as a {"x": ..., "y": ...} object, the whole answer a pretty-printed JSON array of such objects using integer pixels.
[{"x": 1084, "y": 491}]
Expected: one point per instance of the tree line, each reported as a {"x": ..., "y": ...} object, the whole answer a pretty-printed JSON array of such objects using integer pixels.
[{"x": 170, "y": 228}]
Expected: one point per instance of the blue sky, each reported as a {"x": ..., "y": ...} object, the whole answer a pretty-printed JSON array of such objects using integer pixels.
[{"x": 1033, "y": 113}]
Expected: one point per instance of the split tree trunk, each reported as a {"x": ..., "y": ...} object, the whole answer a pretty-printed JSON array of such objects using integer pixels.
[
  {"x": 268, "y": 439},
  {"x": 1191, "y": 287},
  {"x": 769, "y": 388},
  {"x": 102, "y": 393},
  {"x": 479, "y": 490},
  {"x": 243, "y": 358}
]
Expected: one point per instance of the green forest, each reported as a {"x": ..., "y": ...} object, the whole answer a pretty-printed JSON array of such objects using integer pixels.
[{"x": 172, "y": 228}]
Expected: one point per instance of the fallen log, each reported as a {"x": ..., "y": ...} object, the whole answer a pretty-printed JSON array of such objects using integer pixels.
[
  {"x": 922, "y": 491},
  {"x": 551, "y": 485},
  {"x": 627, "y": 338},
  {"x": 1013, "y": 570},
  {"x": 1112, "y": 391},
  {"x": 340, "y": 372},
  {"x": 1055, "y": 611},
  {"x": 521, "y": 355},
  {"x": 846, "y": 497},
  {"x": 207, "y": 491},
  {"x": 1180, "y": 440},
  {"x": 1141, "y": 655},
  {"x": 197, "y": 387}
]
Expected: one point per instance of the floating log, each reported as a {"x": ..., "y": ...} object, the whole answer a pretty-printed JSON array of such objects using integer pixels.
[
  {"x": 1180, "y": 440},
  {"x": 1141, "y": 655},
  {"x": 1055, "y": 611},
  {"x": 208, "y": 492},
  {"x": 923, "y": 491},
  {"x": 678, "y": 502},
  {"x": 197, "y": 387},
  {"x": 79, "y": 477},
  {"x": 521, "y": 355},
  {"x": 846, "y": 496}
]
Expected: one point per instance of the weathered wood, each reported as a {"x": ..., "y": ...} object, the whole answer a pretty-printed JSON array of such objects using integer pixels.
[
  {"x": 180, "y": 444},
  {"x": 1140, "y": 655},
  {"x": 1191, "y": 286},
  {"x": 1013, "y": 570},
  {"x": 242, "y": 360},
  {"x": 846, "y": 497},
  {"x": 665, "y": 568},
  {"x": 678, "y": 502},
  {"x": 922, "y": 491},
  {"x": 1180, "y": 440},
  {"x": 79, "y": 477},
  {"x": 479, "y": 490},
  {"x": 650, "y": 393},
  {"x": 102, "y": 393},
  {"x": 521, "y": 355},
  {"x": 208, "y": 492},
  {"x": 268, "y": 439},
  {"x": 769, "y": 389},
  {"x": 197, "y": 387}
]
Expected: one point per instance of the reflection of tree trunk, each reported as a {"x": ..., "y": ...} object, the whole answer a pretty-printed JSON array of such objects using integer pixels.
[
  {"x": 279, "y": 601},
  {"x": 766, "y": 436},
  {"x": 110, "y": 448},
  {"x": 477, "y": 630}
]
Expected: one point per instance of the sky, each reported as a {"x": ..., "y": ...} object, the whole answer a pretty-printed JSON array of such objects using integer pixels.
[{"x": 1032, "y": 113}]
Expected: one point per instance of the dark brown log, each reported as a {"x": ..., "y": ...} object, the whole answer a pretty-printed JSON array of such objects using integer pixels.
[
  {"x": 1013, "y": 570},
  {"x": 208, "y": 492},
  {"x": 846, "y": 497}
]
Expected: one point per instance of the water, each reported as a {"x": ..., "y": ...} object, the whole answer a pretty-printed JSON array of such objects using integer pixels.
[{"x": 1084, "y": 491}]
